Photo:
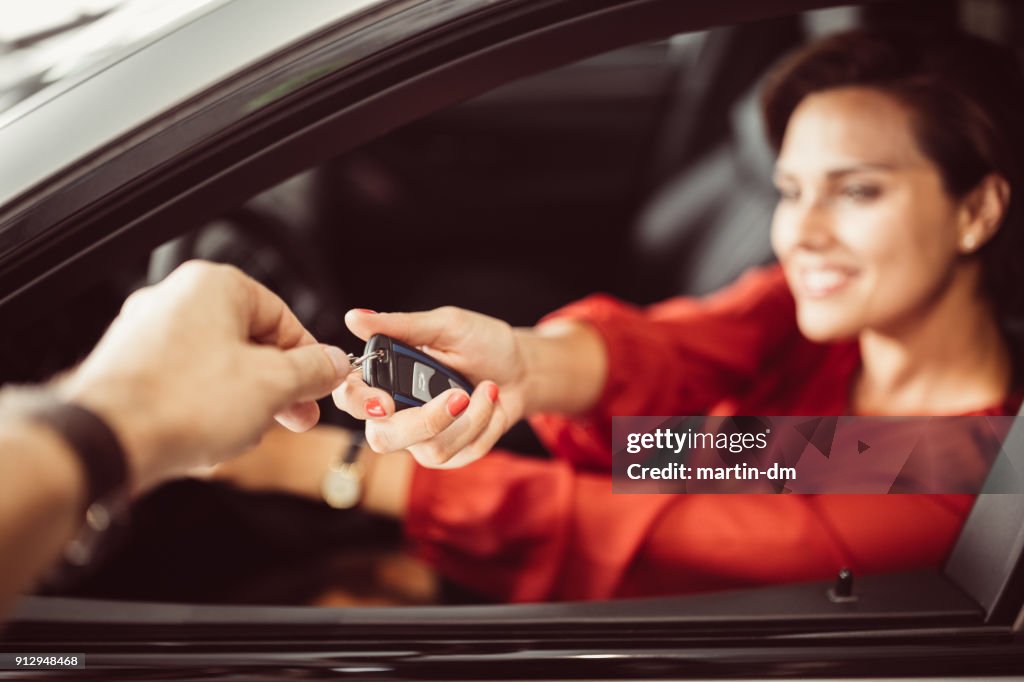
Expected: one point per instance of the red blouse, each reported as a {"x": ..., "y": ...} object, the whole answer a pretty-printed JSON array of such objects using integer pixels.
[{"x": 521, "y": 529}]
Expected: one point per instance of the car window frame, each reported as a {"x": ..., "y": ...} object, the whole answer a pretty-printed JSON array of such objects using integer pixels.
[{"x": 149, "y": 204}]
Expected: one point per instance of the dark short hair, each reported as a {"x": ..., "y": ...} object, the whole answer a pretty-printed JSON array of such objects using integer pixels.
[{"x": 966, "y": 98}]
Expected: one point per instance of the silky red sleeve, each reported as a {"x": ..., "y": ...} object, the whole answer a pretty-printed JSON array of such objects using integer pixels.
[
  {"x": 679, "y": 357},
  {"x": 515, "y": 529},
  {"x": 518, "y": 530}
]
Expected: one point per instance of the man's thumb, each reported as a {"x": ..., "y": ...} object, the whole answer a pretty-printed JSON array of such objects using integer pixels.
[{"x": 316, "y": 370}]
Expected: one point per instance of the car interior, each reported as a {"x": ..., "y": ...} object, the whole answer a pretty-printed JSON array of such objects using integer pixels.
[{"x": 642, "y": 172}]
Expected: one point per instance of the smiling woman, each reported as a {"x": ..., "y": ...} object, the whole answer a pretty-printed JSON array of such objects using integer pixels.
[
  {"x": 896, "y": 219},
  {"x": 898, "y": 183},
  {"x": 933, "y": 115}
]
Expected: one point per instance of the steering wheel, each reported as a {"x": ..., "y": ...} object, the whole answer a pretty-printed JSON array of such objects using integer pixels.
[{"x": 274, "y": 253}]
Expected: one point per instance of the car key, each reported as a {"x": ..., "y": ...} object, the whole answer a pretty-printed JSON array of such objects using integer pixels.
[{"x": 410, "y": 376}]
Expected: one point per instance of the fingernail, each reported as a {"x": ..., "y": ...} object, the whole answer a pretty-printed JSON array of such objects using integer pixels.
[
  {"x": 365, "y": 311},
  {"x": 339, "y": 359},
  {"x": 492, "y": 392},
  {"x": 457, "y": 404},
  {"x": 374, "y": 408}
]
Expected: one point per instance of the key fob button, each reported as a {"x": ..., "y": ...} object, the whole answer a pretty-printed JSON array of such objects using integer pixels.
[
  {"x": 421, "y": 375},
  {"x": 439, "y": 383}
]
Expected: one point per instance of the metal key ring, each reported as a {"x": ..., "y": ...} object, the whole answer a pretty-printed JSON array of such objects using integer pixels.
[{"x": 357, "y": 362}]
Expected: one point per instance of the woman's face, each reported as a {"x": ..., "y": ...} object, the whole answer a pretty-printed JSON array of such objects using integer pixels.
[{"x": 866, "y": 234}]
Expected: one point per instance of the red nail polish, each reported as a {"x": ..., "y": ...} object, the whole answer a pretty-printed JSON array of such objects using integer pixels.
[
  {"x": 492, "y": 392},
  {"x": 365, "y": 310},
  {"x": 374, "y": 408},
  {"x": 457, "y": 404}
]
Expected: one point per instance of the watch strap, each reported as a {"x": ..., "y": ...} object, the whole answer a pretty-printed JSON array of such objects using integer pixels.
[
  {"x": 355, "y": 446},
  {"x": 94, "y": 444}
]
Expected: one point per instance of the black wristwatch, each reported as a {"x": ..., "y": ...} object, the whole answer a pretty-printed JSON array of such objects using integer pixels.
[{"x": 104, "y": 464}]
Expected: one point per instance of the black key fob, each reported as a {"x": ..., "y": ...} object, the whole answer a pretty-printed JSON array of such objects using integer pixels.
[{"x": 410, "y": 376}]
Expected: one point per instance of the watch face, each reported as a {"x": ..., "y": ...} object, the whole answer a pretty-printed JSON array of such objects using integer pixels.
[{"x": 341, "y": 489}]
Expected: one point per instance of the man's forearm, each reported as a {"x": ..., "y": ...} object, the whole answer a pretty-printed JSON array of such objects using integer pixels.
[{"x": 42, "y": 489}]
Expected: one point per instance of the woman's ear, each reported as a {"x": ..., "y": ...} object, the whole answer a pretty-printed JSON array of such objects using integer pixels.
[{"x": 984, "y": 209}]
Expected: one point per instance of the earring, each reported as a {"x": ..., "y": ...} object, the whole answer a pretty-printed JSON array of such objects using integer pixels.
[{"x": 969, "y": 242}]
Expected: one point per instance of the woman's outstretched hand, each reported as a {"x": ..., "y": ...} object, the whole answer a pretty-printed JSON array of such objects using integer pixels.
[{"x": 454, "y": 428}]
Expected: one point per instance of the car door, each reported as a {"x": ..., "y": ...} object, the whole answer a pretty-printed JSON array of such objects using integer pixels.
[{"x": 336, "y": 79}]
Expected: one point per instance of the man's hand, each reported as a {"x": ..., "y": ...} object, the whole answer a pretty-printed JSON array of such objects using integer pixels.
[{"x": 195, "y": 369}]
